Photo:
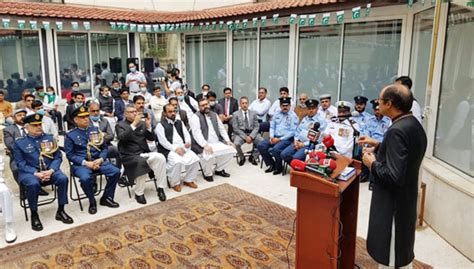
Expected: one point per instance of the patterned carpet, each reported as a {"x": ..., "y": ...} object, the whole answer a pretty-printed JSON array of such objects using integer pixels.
[{"x": 220, "y": 227}]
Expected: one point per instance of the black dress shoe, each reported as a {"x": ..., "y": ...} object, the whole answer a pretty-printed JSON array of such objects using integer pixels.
[
  {"x": 252, "y": 160},
  {"x": 209, "y": 179},
  {"x": 277, "y": 172},
  {"x": 242, "y": 161},
  {"x": 364, "y": 178},
  {"x": 108, "y": 202},
  {"x": 222, "y": 173},
  {"x": 62, "y": 216},
  {"x": 140, "y": 199},
  {"x": 123, "y": 182},
  {"x": 161, "y": 194},
  {"x": 92, "y": 208},
  {"x": 269, "y": 169},
  {"x": 35, "y": 222},
  {"x": 42, "y": 192}
]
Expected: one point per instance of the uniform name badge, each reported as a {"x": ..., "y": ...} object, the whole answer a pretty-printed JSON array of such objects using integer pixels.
[
  {"x": 46, "y": 146},
  {"x": 94, "y": 137},
  {"x": 343, "y": 132}
]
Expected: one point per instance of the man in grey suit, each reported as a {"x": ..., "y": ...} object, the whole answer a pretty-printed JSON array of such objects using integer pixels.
[
  {"x": 245, "y": 126},
  {"x": 10, "y": 134}
]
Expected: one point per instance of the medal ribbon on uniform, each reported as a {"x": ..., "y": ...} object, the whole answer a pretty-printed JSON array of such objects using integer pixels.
[
  {"x": 96, "y": 139},
  {"x": 47, "y": 149}
]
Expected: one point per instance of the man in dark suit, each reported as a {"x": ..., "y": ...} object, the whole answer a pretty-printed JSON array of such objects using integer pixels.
[
  {"x": 133, "y": 133},
  {"x": 394, "y": 164},
  {"x": 229, "y": 105},
  {"x": 121, "y": 103},
  {"x": 79, "y": 100},
  {"x": 245, "y": 125}
]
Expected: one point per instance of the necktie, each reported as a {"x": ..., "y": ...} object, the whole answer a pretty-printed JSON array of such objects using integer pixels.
[
  {"x": 246, "y": 122},
  {"x": 226, "y": 107},
  {"x": 22, "y": 131}
]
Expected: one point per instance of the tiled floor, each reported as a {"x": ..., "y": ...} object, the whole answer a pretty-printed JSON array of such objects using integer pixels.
[{"x": 429, "y": 248}]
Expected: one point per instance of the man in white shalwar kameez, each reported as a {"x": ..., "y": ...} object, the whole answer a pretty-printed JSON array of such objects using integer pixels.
[
  {"x": 175, "y": 143},
  {"x": 211, "y": 142}
]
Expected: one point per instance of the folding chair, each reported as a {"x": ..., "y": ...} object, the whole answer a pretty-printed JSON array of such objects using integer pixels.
[
  {"x": 74, "y": 179},
  {"x": 24, "y": 202}
]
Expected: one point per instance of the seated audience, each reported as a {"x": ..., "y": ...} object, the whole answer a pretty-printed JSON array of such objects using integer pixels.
[
  {"x": 38, "y": 159},
  {"x": 282, "y": 130},
  {"x": 211, "y": 142},
  {"x": 87, "y": 151},
  {"x": 175, "y": 143},
  {"x": 133, "y": 133},
  {"x": 245, "y": 126}
]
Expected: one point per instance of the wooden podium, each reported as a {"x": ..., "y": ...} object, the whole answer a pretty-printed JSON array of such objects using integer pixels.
[{"x": 326, "y": 218}]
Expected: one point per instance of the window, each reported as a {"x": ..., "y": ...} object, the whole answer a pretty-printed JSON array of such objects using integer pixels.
[
  {"x": 103, "y": 48},
  {"x": 453, "y": 141},
  {"x": 274, "y": 52},
  {"x": 244, "y": 63},
  {"x": 20, "y": 62},
  {"x": 420, "y": 54},
  {"x": 193, "y": 61},
  {"x": 161, "y": 47},
  {"x": 370, "y": 58},
  {"x": 319, "y": 60},
  {"x": 73, "y": 57},
  {"x": 214, "y": 63}
]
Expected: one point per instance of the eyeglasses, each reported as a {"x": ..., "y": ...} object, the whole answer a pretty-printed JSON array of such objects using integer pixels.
[
  {"x": 133, "y": 111},
  {"x": 95, "y": 111}
]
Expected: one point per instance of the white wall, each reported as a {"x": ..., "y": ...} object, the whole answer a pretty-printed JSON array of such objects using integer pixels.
[{"x": 161, "y": 5}]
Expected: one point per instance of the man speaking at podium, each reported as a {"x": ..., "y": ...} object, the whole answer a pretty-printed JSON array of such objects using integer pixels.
[{"x": 394, "y": 165}]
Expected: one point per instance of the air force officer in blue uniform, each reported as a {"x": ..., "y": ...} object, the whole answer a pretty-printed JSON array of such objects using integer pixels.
[
  {"x": 86, "y": 150},
  {"x": 39, "y": 159}
]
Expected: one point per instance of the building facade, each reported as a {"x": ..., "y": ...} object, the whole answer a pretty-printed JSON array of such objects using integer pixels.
[{"x": 432, "y": 43}]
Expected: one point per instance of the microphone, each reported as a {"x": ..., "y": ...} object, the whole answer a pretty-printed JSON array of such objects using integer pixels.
[
  {"x": 299, "y": 165},
  {"x": 313, "y": 132},
  {"x": 331, "y": 164},
  {"x": 328, "y": 141}
]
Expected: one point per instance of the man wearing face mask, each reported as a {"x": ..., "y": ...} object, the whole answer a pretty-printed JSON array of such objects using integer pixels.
[
  {"x": 144, "y": 92},
  {"x": 133, "y": 80},
  {"x": 115, "y": 89},
  {"x": 78, "y": 100},
  {"x": 212, "y": 97},
  {"x": 48, "y": 124},
  {"x": 74, "y": 89},
  {"x": 211, "y": 142},
  {"x": 186, "y": 103},
  {"x": 107, "y": 105}
]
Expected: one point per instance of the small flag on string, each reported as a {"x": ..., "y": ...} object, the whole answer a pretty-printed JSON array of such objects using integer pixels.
[
  {"x": 125, "y": 26},
  {"x": 133, "y": 27},
  {"x": 87, "y": 25},
  {"x": 59, "y": 25},
  {"x": 214, "y": 25},
  {"x": 245, "y": 23},
  {"x": 275, "y": 18},
  {"x": 46, "y": 25},
  {"x": 422, "y": 2},
  {"x": 325, "y": 20},
  {"x": 6, "y": 23},
  {"x": 221, "y": 25},
  {"x": 230, "y": 25},
  {"x": 410, "y": 3},
  {"x": 263, "y": 21},
  {"x": 113, "y": 25},
  {"x": 21, "y": 24},
  {"x": 201, "y": 26},
  {"x": 191, "y": 27},
  {"x": 312, "y": 20},
  {"x": 148, "y": 28},
  {"x": 207, "y": 26},
  {"x": 156, "y": 28},
  {"x": 75, "y": 25},
  {"x": 254, "y": 22},
  {"x": 356, "y": 13},
  {"x": 302, "y": 21},
  {"x": 367, "y": 10},
  {"x": 292, "y": 18},
  {"x": 340, "y": 16},
  {"x": 470, "y": 3},
  {"x": 140, "y": 28},
  {"x": 33, "y": 25},
  {"x": 433, "y": 2}
]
